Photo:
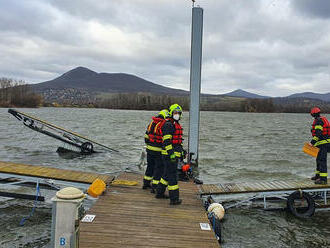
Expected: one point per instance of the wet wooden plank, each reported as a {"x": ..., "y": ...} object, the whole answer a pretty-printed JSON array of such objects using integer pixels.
[
  {"x": 127, "y": 216},
  {"x": 251, "y": 187},
  {"x": 51, "y": 173}
]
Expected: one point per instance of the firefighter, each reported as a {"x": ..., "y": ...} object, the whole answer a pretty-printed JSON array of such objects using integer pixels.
[
  {"x": 172, "y": 152},
  {"x": 159, "y": 165},
  {"x": 154, "y": 148},
  {"x": 321, "y": 139}
]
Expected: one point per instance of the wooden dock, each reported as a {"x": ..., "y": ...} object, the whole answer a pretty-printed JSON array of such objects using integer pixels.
[
  {"x": 239, "y": 188},
  {"x": 127, "y": 216},
  {"x": 51, "y": 173}
]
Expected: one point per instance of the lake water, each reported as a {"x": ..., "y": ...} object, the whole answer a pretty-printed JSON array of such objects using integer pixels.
[{"x": 234, "y": 147}]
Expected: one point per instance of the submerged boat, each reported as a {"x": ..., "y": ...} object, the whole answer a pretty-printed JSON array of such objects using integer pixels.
[{"x": 82, "y": 144}]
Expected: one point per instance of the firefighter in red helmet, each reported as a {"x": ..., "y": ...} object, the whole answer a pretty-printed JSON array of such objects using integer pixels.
[{"x": 321, "y": 139}]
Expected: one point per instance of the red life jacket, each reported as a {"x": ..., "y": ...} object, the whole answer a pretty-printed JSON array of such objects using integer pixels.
[
  {"x": 326, "y": 126},
  {"x": 177, "y": 136},
  {"x": 155, "y": 136}
]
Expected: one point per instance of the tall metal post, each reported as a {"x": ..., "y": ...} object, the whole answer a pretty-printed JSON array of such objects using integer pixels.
[{"x": 195, "y": 83}]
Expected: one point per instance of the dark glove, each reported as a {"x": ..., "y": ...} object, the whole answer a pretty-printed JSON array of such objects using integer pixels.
[
  {"x": 173, "y": 158},
  {"x": 184, "y": 153}
]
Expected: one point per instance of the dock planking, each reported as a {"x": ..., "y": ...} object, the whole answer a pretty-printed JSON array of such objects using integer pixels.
[
  {"x": 254, "y": 187},
  {"x": 52, "y": 173},
  {"x": 127, "y": 216}
]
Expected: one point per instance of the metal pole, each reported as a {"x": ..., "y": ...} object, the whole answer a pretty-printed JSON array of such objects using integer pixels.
[{"x": 195, "y": 83}]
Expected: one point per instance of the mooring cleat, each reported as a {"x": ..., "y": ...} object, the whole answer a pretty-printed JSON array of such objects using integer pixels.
[{"x": 176, "y": 202}]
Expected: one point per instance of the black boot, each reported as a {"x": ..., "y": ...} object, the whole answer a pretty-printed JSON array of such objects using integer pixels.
[
  {"x": 175, "y": 202},
  {"x": 174, "y": 197},
  {"x": 162, "y": 196},
  {"x": 160, "y": 191},
  {"x": 321, "y": 181},
  {"x": 315, "y": 177},
  {"x": 153, "y": 188},
  {"x": 146, "y": 184}
]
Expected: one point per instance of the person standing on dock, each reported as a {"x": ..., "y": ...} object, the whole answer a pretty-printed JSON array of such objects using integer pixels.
[
  {"x": 172, "y": 151},
  {"x": 153, "y": 140},
  {"x": 321, "y": 139}
]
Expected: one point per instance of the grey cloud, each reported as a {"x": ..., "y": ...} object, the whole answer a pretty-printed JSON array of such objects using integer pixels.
[
  {"x": 267, "y": 46},
  {"x": 313, "y": 8}
]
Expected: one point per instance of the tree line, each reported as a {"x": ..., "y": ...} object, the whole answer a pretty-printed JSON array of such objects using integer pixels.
[
  {"x": 148, "y": 101},
  {"x": 140, "y": 101},
  {"x": 17, "y": 93}
]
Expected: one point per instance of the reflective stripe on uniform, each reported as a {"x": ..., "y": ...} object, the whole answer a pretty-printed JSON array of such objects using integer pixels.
[
  {"x": 318, "y": 127},
  {"x": 154, "y": 148},
  {"x": 147, "y": 178},
  {"x": 169, "y": 147},
  {"x": 323, "y": 174},
  {"x": 167, "y": 136},
  {"x": 317, "y": 172},
  {"x": 146, "y": 136},
  {"x": 173, "y": 187},
  {"x": 316, "y": 138},
  {"x": 162, "y": 181},
  {"x": 322, "y": 142},
  {"x": 178, "y": 154},
  {"x": 156, "y": 127},
  {"x": 155, "y": 182}
]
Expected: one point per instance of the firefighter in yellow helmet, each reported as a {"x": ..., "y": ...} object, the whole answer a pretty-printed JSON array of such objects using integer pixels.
[
  {"x": 153, "y": 140},
  {"x": 172, "y": 151}
]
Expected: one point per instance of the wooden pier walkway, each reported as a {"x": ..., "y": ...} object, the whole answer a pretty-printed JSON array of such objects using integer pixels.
[
  {"x": 52, "y": 173},
  {"x": 127, "y": 216},
  {"x": 239, "y": 188}
]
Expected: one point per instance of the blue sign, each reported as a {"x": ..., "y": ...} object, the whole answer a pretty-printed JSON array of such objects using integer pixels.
[{"x": 62, "y": 241}]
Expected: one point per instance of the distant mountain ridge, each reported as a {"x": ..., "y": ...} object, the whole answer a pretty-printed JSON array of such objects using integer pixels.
[
  {"x": 84, "y": 78},
  {"x": 244, "y": 94},
  {"x": 324, "y": 97},
  {"x": 84, "y": 82}
]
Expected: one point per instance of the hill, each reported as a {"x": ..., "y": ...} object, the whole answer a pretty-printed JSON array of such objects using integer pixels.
[
  {"x": 84, "y": 79},
  {"x": 323, "y": 97},
  {"x": 84, "y": 87},
  {"x": 244, "y": 94}
]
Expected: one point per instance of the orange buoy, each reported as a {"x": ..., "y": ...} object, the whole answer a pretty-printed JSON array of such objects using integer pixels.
[{"x": 185, "y": 167}]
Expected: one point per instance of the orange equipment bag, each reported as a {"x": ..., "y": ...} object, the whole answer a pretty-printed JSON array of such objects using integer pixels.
[
  {"x": 96, "y": 188},
  {"x": 310, "y": 150}
]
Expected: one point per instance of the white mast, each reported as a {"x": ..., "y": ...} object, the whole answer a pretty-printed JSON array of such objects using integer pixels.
[{"x": 195, "y": 82}]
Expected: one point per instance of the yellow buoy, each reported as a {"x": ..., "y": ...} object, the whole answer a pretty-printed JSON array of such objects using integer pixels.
[
  {"x": 96, "y": 188},
  {"x": 310, "y": 150}
]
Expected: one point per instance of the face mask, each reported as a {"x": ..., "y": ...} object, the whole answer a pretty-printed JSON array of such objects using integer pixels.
[{"x": 176, "y": 117}]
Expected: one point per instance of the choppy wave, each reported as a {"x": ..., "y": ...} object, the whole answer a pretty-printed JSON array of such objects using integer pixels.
[{"x": 234, "y": 147}]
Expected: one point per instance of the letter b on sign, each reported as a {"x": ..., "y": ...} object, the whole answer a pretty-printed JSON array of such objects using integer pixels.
[{"x": 62, "y": 241}]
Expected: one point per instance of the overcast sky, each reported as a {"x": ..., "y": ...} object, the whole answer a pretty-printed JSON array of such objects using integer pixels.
[{"x": 268, "y": 47}]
